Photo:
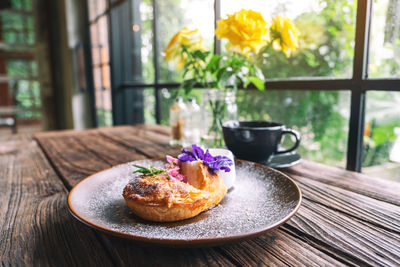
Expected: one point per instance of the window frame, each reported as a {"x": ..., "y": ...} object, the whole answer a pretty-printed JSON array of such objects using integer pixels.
[{"x": 358, "y": 84}]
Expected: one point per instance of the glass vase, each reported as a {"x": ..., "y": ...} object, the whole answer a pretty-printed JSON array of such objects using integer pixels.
[{"x": 218, "y": 106}]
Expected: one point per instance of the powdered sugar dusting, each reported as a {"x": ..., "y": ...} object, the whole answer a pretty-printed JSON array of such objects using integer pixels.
[{"x": 260, "y": 198}]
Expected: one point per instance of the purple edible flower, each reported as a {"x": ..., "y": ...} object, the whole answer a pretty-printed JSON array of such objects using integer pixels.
[
  {"x": 222, "y": 163},
  {"x": 198, "y": 152},
  {"x": 186, "y": 155},
  {"x": 213, "y": 163}
]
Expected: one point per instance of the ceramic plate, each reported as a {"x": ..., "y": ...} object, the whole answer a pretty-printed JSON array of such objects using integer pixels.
[{"x": 261, "y": 200}]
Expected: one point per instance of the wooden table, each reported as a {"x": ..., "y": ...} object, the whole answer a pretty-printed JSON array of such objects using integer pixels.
[{"x": 345, "y": 218}]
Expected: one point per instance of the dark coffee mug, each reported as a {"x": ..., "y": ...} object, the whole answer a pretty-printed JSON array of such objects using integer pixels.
[{"x": 256, "y": 140}]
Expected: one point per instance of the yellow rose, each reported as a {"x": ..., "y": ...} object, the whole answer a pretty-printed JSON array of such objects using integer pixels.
[
  {"x": 285, "y": 35},
  {"x": 245, "y": 30},
  {"x": 189, "y": 38}
]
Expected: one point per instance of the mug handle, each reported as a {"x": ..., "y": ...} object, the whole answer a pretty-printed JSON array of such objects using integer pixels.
[{"x": 295, "y": 146}]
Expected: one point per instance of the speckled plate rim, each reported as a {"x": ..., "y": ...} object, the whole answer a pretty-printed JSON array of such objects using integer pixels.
[{"x": 198, "y": 242}]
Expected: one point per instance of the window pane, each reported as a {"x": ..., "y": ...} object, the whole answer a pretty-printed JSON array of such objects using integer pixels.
[
  {"x": 167, "y": 99},
  {"x": 94, "y": 38},
  {"x": 146, "y": 34},
  {"x": 385, "y": 39},
  {"x": 101, "y": 71},
  {"x": 382, "y": 135},
  {"x": 22, "y": 5},
  {"x": 92, "y": 8},
  {"x": 18, "y": 35},
  {"x": 327, "y": 30},
  {"x": 150, "y": 107},
  {"x": 174, "y": 15},
  {"x": 104, "y": 117},
  {"x": 101, "y": 6},
  {"x": 17, "y": 28},
  {"x": 19, "y": 68},
  {"x": 102, "y": 29},
  {"x": 27, "y": 96},
  {"x": 96, "y": 8},
  {"x": 322, "y": 118}
]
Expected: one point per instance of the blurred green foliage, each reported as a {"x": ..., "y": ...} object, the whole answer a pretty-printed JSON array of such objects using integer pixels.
[
  {"x": 322, "y": 117},
  {"x": 383, "y": 111},
  {"x": 104, "y": 117},
  {"x": 314, "y": 113},
  {"x": 18, "y": 29},
  {"x": 383, "y": 134},
  {"x": 326, "y": 44},
  {"x": 326, "y": 50}
]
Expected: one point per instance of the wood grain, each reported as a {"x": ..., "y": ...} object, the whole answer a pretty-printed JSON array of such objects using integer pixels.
[
  {"x": 126, "y": 252},
  {"x": 352, "y": 181},
  {"x": 155, "y": 128},
  {"x": 354, "y": 240},
  {"x": 36, "y": 228},
  {"x": 273, "y": 249},
  {"x": 78, "y": 154},
  {"x": 153, "y": 144},
  {"x": 381, "y": 214},
  {"x": 345, "y": 218}
]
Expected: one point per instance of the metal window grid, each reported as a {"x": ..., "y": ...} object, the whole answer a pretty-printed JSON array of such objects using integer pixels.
[{"x": 358, "y": 85}]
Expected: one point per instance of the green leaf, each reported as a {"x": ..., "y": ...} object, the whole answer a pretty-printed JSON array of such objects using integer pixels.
[
  {"x": 214, "y": 63},
  {"x": 382, "y": 134},
  {"x": 188, "y": 85},
  {"x": 200, "y": 54},
  {"x": 185, "y": 72},
  {"x": 187, "y": 65},
  {"x": 257, "y": 83},
  {"x": 219, "y": 73},
  {"x": 226, "y": 76},
  {"x": 148, "y": 171}
]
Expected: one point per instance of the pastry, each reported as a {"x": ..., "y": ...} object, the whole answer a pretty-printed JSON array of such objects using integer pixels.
[{"x": 187, "y": 186}]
